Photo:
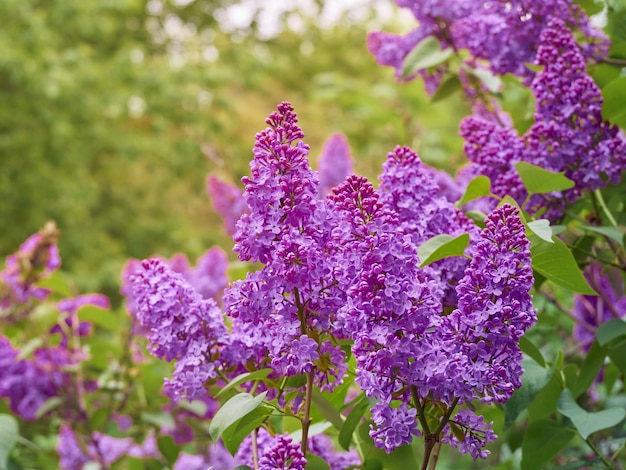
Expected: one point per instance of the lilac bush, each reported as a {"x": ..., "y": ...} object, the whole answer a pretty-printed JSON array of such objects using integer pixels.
[{"x": 346, "y": 331}]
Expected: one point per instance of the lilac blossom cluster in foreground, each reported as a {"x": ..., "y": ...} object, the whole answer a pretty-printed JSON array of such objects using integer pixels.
[{"x": 346, "y": 268}]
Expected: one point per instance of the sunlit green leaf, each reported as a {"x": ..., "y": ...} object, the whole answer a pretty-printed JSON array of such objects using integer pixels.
[
  {"x": 233, "y": 435},
  {"x": 9, "y": 431},
  {"x": 442, "y": 246},
  {"x": 478, "y": 186},
  {"x": 556, "y": 262},
  {"x": 232, "y": 411},
  {"x": 587, "y": 423},
  {"x": 427, "y": 53},
  {"x": 538, "y": 180},
  {"x": 612, "y": 107},
  {"x": 542, "y": 229}
]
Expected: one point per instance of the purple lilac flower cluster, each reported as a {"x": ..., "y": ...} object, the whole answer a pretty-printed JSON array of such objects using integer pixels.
[
  {"x": 503, "y": 33},
  {"x": 36, "y": 258},
  {"x": 28, "y": 382},
  {"x": 227, "y": 200},
  {"x": 182, "y": 326},
  {"x": 348, "y": 267},
  {"x": 100, "y": 448},
  {"x": 280, "y": 452},
  {"x": 494, "y": 311},
  {"x": 405, "y": 349},
  {"x": 408, "y": 188},
  {"x": 568, "y": 135},
  {"x": 591, "y": 311},
  {"x": 294, "y": 297},
  {"x": 335, "y": 163}
]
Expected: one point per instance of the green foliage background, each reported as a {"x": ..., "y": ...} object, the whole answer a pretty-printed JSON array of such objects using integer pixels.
[{"x": 111, "y": 118}]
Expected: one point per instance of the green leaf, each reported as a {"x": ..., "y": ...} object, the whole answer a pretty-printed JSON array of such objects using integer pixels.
[
  {"x": 448, "y": 87},
  {"x": 57, "y": 283},
  {"x": 610, "y": 331},
  {"x": 48, "y": 405},
  {"x": 534, "y": 379},
  {"x": 590, "y": 368},
  {"x": 29, "y": 348},
  {"x": 591, "y": 7},
  {"x": 531, "y": 351},
  {"x": 611, "y": 232},
  {"x": 587, "y": 423},
  {"x": 314, "y": 462},
  {"x": 427, "y": 53},
  {"x": 613, "y": 108},
  {"x": 327, "y": 410},
  {"x": 543, "y": 440},
  {"x": 442, "y": 246},
  {"x": 9, "y": 431},
  {"x": 245, "y": 377},
  {"x": 352, "y": 421},
  {"x": 612, "y": 335},
  {"x": 538, "y": 180},
  {"x": 542, "y": 229},
  {"x": 232, "y": 411},
  {"x": 492, "y": 82},
  {"x": 168, "y": 448},
  {"x": 477, "y": 187},
  {"x": 237, "y": 432},
  {"x": 555, "y": 262},
  {"x": 159, "y": 419},
  {"x": 99, "y": 316}
]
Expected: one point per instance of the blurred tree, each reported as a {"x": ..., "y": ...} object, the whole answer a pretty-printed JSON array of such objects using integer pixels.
[{"x": 114, "y": 111}]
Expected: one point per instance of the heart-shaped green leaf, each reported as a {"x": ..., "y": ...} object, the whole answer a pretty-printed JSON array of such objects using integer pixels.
[
  {"x": 587, "y": 423},
  {"x": 8, "y": 435},
  {"x": 477, "y": 187},
  {"x": 442, "y": 246},
  {"x": 232, "y": 411},
  {"x": 542, "y": 229},
  {"x": 427, "y": 53},
  {"x": 538, "y": 180}
]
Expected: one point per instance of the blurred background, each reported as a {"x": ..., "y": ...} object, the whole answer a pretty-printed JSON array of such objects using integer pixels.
[{"x": 113, "y": 112}]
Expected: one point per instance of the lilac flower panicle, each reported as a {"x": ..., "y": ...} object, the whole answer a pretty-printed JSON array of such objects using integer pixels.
[
  {"x": 504, "y": 34},
  {"x": 71, "y": 455},
  {"x": 182, "y": 325},
  {"x": 477, "y": 434},
  {"x": 209, "y": 277},
  {"x": 36, "y": 258},
  {"x": 282, "y": 454},
  {"x": 281, "y": 191},
  {"x": 322, "y": 446},
  {"x": 393, "y": 426},
  {"x": 568, "y": 135},
  {"x": 495, "y": 308},
  {"x": 410, "y": 190},
  {"x": 227, "y": 200},
  {"x": 591, "y": 311},
  {"x": 285, "y": 311},
  {"x": 335, "y": 163},
  {"x": 28, "y": 383}
]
